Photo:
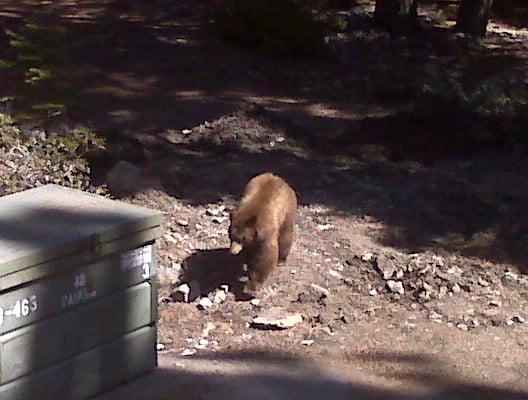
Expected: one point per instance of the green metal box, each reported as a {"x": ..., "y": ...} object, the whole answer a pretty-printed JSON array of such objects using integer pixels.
[{"x": 78, "y": 297}]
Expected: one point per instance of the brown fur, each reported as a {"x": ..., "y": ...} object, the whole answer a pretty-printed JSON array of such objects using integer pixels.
[{"x": 262, "y": 226}]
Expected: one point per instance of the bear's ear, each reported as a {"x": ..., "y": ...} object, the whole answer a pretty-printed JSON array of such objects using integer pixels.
[{"x": 251, "y": 221}]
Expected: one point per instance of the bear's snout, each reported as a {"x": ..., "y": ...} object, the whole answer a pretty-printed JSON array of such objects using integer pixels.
[{"x": 236, "y": 248}]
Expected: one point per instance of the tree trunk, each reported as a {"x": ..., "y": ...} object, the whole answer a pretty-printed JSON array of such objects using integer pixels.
[
  {"x": 397, "y": 16},
  {"x": 473, "y": 16}
]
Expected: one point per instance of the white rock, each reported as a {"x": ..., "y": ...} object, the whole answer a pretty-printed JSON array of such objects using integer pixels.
[
  {"x": 202, "y": 344},
  {"x": 208, "y": 328},
  {"x": 183, "y": 222},
  {"x": 482, "y": 282},
  {"x": 255, "y": 302},
  {"x": 160, "y": 347},
  {"x": 335, "y": 274},
  {"x": 307, "y": 342},
  {"x": 324, "y": 227},
  {"x": 456, "y": 288},
  {"x": 462, "y": 327},
  {"x": 519, "y": 319},
  {"x": 204, "y": 303},
  {"x": 181, "y": 293},
  {"x": 395, "y": 286},
  {"x": 323, "y": 291},
  {"x": 373, "y": 292},
  {"x": 186, "y": 131},
  {"x": 276, "y": 318},
  {"x": 434, "y": 316},
  {"x": 219, "y": 297},
  {"x": 188, "y": 352},
  {"x": 367, "y": 257}
]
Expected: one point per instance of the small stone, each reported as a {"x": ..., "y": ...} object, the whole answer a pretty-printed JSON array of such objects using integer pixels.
[
  {"x": 219, "y": 297},
  {"x": 182, "y": 222},
  {"x": 475, "y": 322},
  {"x": 202, "y": 344},
  {"x": 373, "y": 292},
  {"x": 293, "y": 271},
  {"x": 160, "y": 347},
  {"x": 321, "y": 290},
  {"x": 280, "y": 139},
  {"x": 181, "y": 293},
  {"x": 276, "y": 318},
  {"x": 519, "y": 319},
  {"x": 367, "y": 257},
  {"x": 399, "y": 274},
  {"x": 496, "y": 321},
  {"x": 215, "y": 211},
  {"x": 307, "y": 342},
  {"x": 435, "y": 316},
  {"x": 462, "y": 327},
  {"x": 348, "y": 281},
  {"x": 482, "y": 282},
  {"x": 186, "y": 131},
  {"x": 444, "y": 276},
  {"x": 205, "y": 303},
  {"x": 395, "y": 286},
  {"x": 208, "y": 328},
  {"x": 255, "y": 302},
  {"x": 495, "y": 303},
  {"x": 324, "y": 227},
  {"x": 170, "y": 275},
  {"x": 335, "y": 274},
  {"x": 385, "y": 266},
  {"x": 509, "y": 322},
  {"x": 188, "y": 352},
  {"x": 455, "y": 288}
]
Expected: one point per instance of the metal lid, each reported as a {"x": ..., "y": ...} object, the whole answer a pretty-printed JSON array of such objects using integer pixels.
[{"x": 49, "y": 222}]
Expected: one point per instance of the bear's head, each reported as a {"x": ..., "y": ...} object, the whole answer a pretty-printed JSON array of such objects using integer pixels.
[{"x": 242, "y": 232}]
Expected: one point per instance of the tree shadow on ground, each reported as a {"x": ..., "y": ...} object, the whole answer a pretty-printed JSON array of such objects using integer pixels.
[
  {"x": 139, "y": 73},
  {"x": 257, "y": 375}
]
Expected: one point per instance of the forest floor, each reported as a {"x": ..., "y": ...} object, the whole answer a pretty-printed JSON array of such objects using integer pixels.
[{"x": 409, "y": 267}]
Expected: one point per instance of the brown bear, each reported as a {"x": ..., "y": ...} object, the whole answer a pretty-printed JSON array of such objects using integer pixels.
[{"x": 261, "y": 228}]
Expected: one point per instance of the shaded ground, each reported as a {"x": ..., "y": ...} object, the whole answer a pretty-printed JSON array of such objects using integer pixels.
[
  {"x": 165, "y": 94},
  {"x": 253, "y": 375}
]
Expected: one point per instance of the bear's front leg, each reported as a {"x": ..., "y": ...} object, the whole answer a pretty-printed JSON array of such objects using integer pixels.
[{"x": 260, "y": 265}]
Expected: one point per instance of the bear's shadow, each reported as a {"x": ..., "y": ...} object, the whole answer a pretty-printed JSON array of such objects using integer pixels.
[{"x": 212, "y": 268}]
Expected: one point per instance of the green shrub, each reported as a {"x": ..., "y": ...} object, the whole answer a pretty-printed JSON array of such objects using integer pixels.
[
  {"x": 32, "y": 160},
  {"x": 275, "y": 27}
]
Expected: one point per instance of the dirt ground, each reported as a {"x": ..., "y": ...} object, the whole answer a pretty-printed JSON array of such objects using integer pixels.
[
  {"x": 457, "y": 327},
  {"x": 410, "y": 276}
]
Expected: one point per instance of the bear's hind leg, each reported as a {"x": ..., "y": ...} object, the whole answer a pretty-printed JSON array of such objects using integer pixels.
[{"x": 285, "y": 239}]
